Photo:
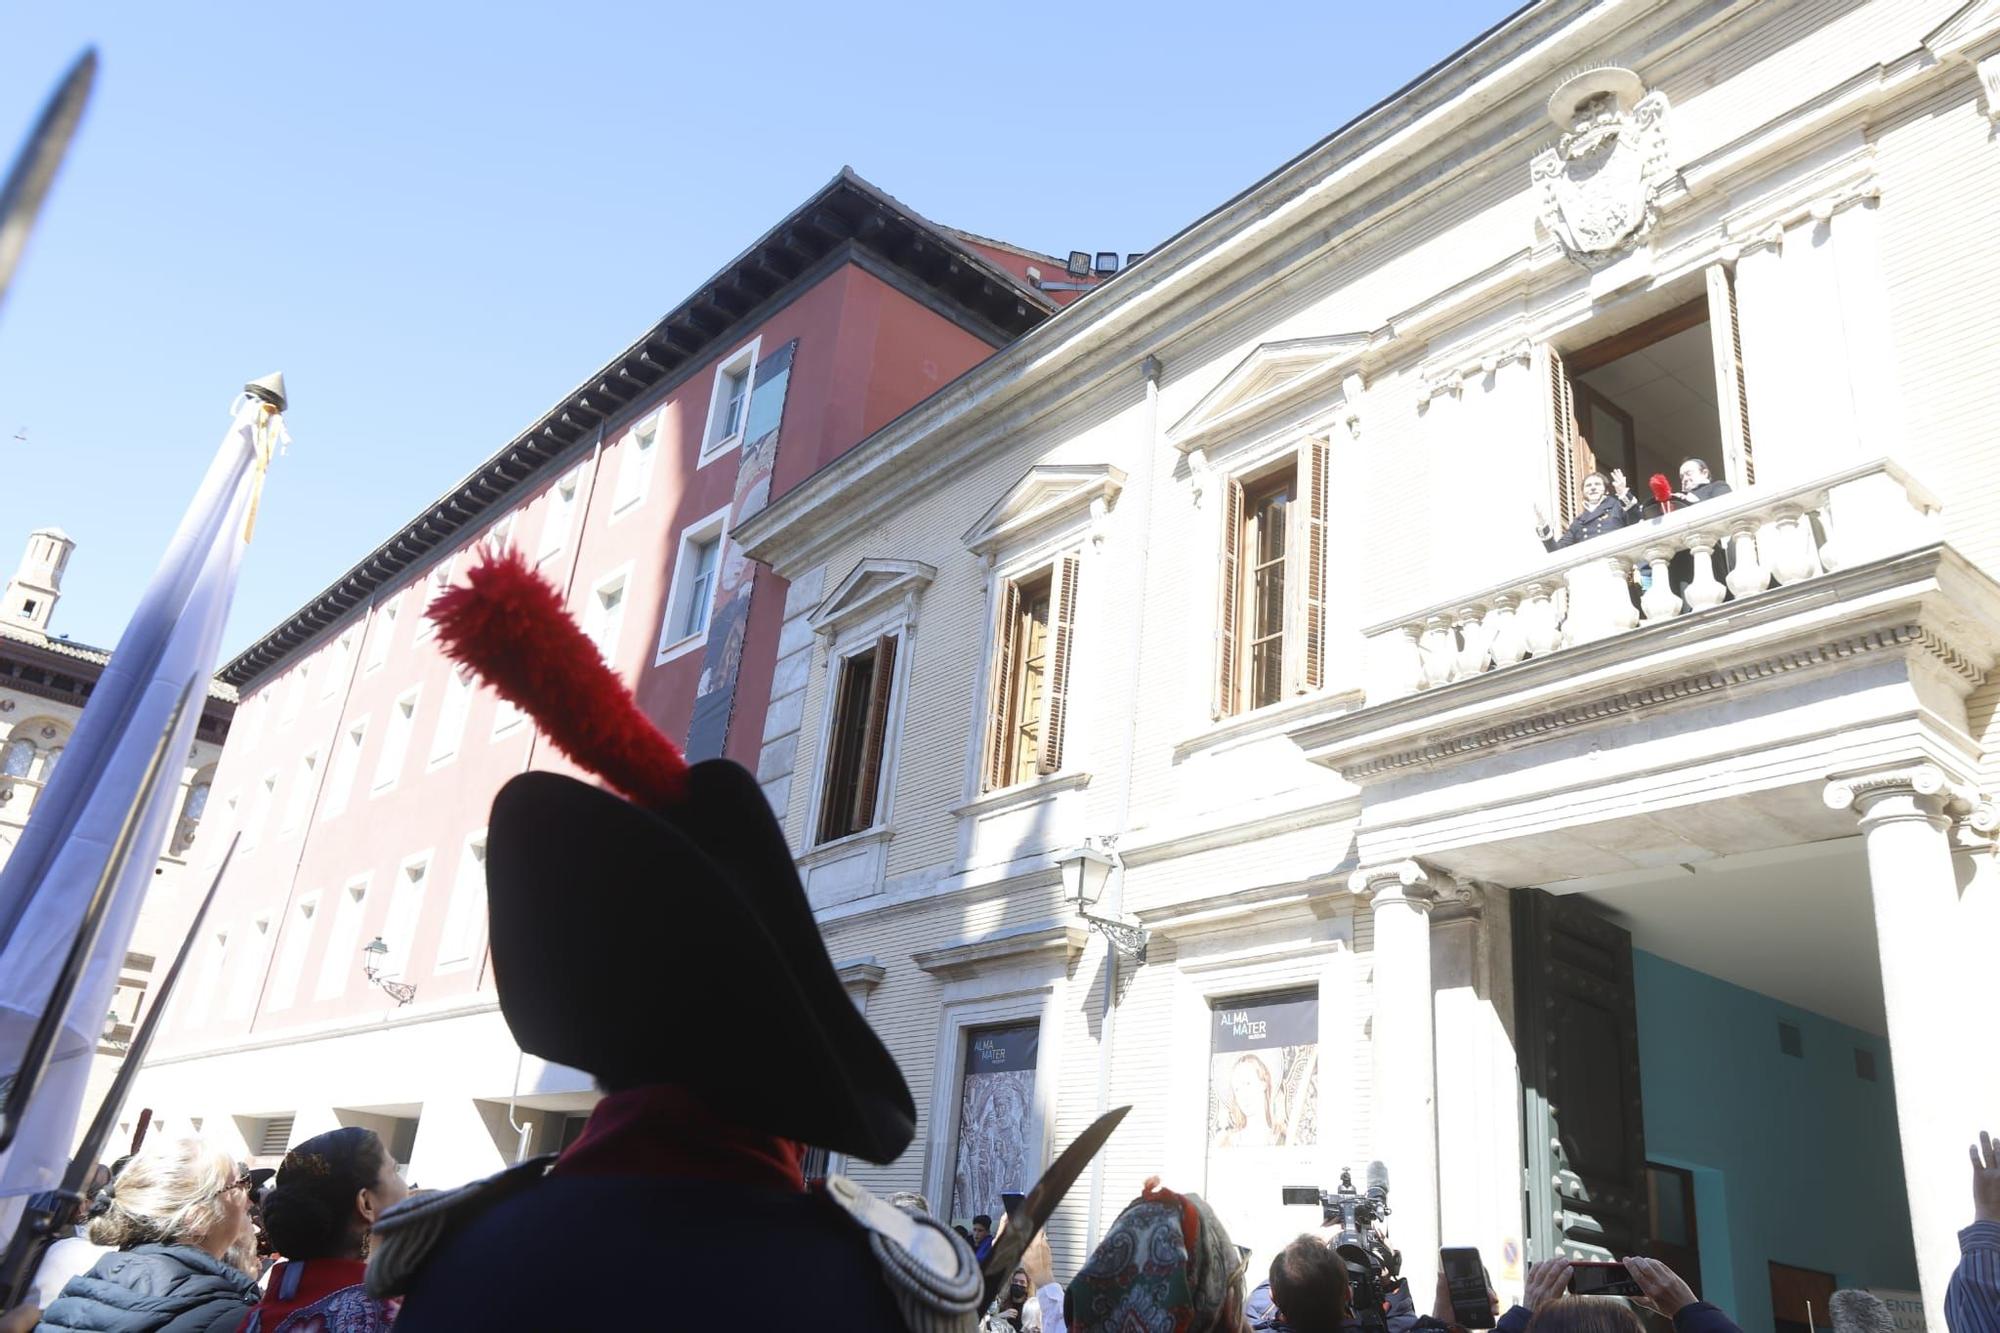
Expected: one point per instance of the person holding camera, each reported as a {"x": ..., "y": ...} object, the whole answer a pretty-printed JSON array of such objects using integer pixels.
[{"x": 1547, "y": 1307}]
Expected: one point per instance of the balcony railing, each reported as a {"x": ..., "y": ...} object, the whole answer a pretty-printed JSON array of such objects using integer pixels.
[{"x": 1769, "y": 537}]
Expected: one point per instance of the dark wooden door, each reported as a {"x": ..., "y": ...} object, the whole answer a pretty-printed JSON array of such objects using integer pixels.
[{"x": 1577, "y": 1033}]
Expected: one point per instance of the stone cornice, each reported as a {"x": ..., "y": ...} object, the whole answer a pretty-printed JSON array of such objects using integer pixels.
[
  {"x": 1368, "y": 173},
  {"x": 1824, "y": 623},
  {"x": 863, "y": 974},
  {"x": 1043, "y": 941}
]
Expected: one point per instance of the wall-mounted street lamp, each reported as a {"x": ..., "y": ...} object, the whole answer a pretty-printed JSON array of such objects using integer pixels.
[
  {"x": 1086, "y": 870},
  {"x": 372, "y": 954}
]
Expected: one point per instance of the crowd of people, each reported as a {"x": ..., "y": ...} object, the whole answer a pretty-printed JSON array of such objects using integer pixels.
[{"x": 182, "y": 1238}]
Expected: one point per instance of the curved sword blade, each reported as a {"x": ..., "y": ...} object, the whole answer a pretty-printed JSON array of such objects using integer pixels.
[
  {"x": 1026, "y": 1222},
  {"x": 35, "y": 167}
]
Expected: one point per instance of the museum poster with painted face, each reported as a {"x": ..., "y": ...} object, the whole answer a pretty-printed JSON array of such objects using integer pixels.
[
  {"x": 1263, "y": 1113},
  {"x": 996, "y": 1105}
]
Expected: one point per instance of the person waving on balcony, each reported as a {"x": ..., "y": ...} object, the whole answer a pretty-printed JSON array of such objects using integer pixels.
[{"x": 1608, "y": 505}]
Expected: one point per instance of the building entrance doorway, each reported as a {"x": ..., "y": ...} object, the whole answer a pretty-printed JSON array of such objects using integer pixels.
[{"x": 1706, "y": 1079}]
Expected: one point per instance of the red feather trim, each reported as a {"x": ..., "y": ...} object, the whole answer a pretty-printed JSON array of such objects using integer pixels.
[
  {"x": 508, "y": 624},
  {"x": 1663, "y": 490}
]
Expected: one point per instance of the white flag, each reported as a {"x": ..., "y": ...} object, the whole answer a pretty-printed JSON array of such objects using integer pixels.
[{"x": 166, "y": 654}]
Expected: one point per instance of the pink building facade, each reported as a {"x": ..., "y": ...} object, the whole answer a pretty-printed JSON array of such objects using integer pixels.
[{"x": 342, "y": 977}]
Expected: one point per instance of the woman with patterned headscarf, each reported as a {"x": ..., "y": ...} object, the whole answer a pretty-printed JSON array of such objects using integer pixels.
[{"x": 1166, "y": 1266}]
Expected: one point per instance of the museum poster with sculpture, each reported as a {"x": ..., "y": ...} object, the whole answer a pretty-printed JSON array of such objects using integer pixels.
[
  {"x": 995, "y": 1110},
  {"x": 1263, "y": 1113}
]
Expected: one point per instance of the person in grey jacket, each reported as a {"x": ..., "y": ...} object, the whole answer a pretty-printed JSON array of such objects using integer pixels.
[{"x": 179, "y": 1216}]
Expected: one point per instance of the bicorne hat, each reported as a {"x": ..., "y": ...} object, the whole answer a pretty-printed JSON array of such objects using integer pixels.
[{"x": 663, "y": 938}]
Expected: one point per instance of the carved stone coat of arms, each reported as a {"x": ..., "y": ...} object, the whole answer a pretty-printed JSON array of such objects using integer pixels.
[{"x": 1596, "y": 189}]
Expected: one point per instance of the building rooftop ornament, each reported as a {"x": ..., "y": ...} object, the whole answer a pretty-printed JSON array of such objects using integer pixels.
[{"x": 1600, "y": 184}]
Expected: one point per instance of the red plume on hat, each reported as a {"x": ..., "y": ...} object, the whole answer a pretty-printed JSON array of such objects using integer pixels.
[
  {"x": 508, "y": 624},
  {"x": 1663, "y": 491}
]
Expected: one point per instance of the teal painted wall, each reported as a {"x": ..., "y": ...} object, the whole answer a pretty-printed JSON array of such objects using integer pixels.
[{"x": 1795, "y": 1160}]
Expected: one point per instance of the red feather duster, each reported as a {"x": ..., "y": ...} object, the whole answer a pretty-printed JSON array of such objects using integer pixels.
[
  {"x": 1663, "y": 491},
  {"x": 507, "y": 623}
]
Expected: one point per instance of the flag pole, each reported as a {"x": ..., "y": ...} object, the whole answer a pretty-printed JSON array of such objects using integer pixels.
[
  {"x": 37, "y": 1227},
  {"x": 34, "y": 169},
  {"x": 41, "y": 1046}
]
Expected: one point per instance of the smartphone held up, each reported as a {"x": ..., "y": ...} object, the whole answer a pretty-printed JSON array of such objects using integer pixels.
[
  {"x": 1466, "y": 1281},
  {"x": 1603, "y": 1279}
]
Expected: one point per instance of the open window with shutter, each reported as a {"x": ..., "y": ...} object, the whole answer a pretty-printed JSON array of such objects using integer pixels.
[
  {"x": 1034, "y": 643},
  {"x": 1647, "y": 398},
  {"x": 858, "y": 741},
  {"x": 1271, "y": 612}
]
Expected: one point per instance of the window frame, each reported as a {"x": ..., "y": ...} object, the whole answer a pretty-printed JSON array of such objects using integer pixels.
[
  {"x": 1306, "y": 456},
  {"x": 403, "y": 888},
  {"x": 1047, "y": 561},
  {"x": 634, "y": 481},
  {"x": 622, "y": 578},
  {"x": 378, "y": 785},
  {"x": 341, "y": 775},
  {"x": 454, "y": 713},
  {"x": 745, "y": 357},
  {"x": 431, "y": 584},
  {"x": 379, "y": 644},
  {"x": 852, "y": 640},
  {"x": 288, "y": 963},
  {"x": 342, "y": 919},
  {"x": 560, "y": 516},
  {"x": 714, "y": 527},
  {"x": 475, "y": 898}
]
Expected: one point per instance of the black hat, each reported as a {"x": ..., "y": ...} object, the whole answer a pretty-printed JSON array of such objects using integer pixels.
[
  {"x": 676, "y": 946},
  {"x": 664, "y": 938}
]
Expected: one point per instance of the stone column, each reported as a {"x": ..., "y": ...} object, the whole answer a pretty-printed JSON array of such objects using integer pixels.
[
  {"x": 1934, "y": 1050},
  {"x": 1400, "y": 897}
]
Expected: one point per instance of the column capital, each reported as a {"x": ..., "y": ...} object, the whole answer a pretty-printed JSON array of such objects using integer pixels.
[
  {"x": 1410, "y": 881},
  {"x": 1917, "y": 790}
]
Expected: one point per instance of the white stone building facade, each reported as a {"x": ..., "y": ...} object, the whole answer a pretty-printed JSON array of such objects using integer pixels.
[{"x": 1436, "y": 838}]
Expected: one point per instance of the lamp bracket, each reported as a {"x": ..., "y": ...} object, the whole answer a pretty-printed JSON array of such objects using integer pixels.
[
  {"x": 1127, "y": 937},
  {"x": 402, "y": 992}
]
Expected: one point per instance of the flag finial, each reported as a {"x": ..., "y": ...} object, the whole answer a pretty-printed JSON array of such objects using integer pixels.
[{"x": 271, "y": 388}]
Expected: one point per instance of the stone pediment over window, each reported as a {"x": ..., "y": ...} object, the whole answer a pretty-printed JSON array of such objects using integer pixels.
[
  {"x": 1047, "y": 497},
  {"x": 1273, "y": 376},
  {"x": 869, "y": 587}
]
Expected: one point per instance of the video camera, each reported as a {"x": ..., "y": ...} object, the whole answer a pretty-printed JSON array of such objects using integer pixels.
[{"x": 1372, "y": 1267}]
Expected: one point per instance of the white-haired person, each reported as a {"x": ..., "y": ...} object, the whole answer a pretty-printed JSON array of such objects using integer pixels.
[{"x": 184, "y": 1248}]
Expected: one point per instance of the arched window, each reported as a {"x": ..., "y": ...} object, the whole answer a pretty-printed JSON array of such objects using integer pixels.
[
  {"x": 32, "y": 748},
  {"x": 18, "y": 759},
  {"x": 192, "y": 810}
]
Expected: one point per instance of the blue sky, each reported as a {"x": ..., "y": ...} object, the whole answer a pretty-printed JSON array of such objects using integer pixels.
[{"x": 438, "y": 218}]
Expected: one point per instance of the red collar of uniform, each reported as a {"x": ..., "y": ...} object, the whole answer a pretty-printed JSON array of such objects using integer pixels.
[
  {"x": 663, "y": 1130},
  {"x": 297, "y": 1283}
]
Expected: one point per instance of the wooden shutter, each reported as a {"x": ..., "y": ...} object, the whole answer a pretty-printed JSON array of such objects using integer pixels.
[
  {"x": 1055, "y": 690},
  {"x": 1563, "y": 439},
  {"x": 869, "y": 780},
  {"x": 1228, "y": 632},
  {"x": 1000, "y": 695},
  {"x": 1739, "y": 469},
  {"x": 1305, "y": 637}
]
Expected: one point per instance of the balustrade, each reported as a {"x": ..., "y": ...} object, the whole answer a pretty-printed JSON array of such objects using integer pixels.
[{"x": 1660, "y": 569}]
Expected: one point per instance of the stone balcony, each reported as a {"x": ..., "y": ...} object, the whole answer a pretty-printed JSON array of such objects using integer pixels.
[
  {"x": 17, "y": 800},
  {"x": 1545, "y": 727},
  {"x": 1772, "y": 538}
]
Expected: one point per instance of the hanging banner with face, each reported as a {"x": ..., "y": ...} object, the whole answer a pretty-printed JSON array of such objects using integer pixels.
[
  {"x": 1263, "y": 1115},
  {"x": 995, "y": 1108}
]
